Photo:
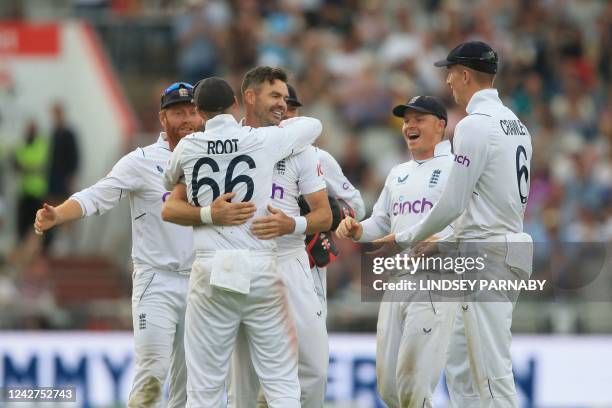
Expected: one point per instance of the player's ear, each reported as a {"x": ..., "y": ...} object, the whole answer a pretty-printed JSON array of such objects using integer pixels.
[
  {"x": 249, "y": 96},
  {"x": 442, "y": 125},
  {"x": 162, "y": 117}
]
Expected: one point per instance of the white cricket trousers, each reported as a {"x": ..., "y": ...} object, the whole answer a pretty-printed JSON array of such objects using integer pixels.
[
  {"x": 411, "y": 342},
  {"x": 479, "y": 367},
  {"x": 158, "y": 314},
  {"x": 313, "y": 345},
  {"x": 212, "y": 320}
]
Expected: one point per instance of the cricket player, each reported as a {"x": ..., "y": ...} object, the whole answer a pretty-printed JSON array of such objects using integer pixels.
[
  {"x": 235, "y": 279},
  {"x": 412, "y": 335},
  {"x": 294, "y": 176},
  {"x": 162, "y": 252},
  {"x": 486, "y": 193}
]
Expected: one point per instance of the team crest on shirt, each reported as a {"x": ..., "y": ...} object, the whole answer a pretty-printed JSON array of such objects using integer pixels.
[
  {"x": 280, "y": 167},
  {"x": 402, "y": 180},
  {"x": 435, "y": 176},
  {"x": 159, "y": 168},
  {"x": 142, "y": 321}
]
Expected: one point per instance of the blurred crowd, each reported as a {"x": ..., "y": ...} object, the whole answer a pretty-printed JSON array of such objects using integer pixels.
[{"x": 352, "y": 60}]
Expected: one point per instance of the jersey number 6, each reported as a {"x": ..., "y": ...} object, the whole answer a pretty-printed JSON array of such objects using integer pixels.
[
  {"x": 522, "y": 172},
  {"x": 230, "y": 182}
]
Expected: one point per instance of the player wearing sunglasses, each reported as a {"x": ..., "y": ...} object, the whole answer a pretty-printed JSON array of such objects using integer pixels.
[{"x": 162, "y": 252}]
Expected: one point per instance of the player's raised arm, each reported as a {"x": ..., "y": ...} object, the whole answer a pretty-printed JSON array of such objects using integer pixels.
[
  {"x": 291, "y": 135},
  {"x": 470, "y": 158}
]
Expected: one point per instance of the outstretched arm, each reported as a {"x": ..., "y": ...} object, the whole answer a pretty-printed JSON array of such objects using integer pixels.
[
  {"x": 96, "y": 199},
  {"x": 48, "y": 216}
]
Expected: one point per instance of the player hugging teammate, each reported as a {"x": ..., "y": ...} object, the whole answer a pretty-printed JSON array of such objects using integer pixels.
[{"x": 251, "y": 283}]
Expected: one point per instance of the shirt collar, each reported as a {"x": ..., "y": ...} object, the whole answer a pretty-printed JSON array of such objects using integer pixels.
[
  {"x": 221, "y": 121},
  {"x": 162, "y": 140},
  {"x": 480, "y": 97},
  {"x": 442, "y": 148}
]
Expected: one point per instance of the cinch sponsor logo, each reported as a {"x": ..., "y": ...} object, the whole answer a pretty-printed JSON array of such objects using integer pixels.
[
  {"x": 277, "y": 189},
  {"x": 409, "y": 207},
  {"x": 461, "y": 159}
]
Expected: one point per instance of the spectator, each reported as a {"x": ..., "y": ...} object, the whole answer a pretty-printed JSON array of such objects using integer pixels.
[
  {"x": 195, "y": 31},
  {"x": 30, "y": 161},
  {"x": 64, "y": 157}
]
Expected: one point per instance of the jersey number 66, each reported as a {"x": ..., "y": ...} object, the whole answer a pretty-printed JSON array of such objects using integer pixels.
[{"x": 230, "y": 182}]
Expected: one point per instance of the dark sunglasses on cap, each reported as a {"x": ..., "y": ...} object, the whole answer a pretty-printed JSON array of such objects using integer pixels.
[{"x": 177, "y": 85}]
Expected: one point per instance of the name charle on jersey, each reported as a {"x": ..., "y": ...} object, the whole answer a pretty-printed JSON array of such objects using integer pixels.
[{"x": 493, "y": 151}]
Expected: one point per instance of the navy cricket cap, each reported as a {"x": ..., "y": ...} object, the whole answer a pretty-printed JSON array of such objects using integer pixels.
[
  {"x": 213, "y": 94},
  {"x": 473, "y": 54},
  {"x": 292, "y": 99},
  {"x": 178, "y": 92},
  {"x": 424, "y": 104}
]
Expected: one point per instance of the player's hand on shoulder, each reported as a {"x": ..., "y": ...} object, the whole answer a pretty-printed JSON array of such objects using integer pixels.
[
  {"x": 273, "y": 225},
  {"x": 46, "y": 218},
  {"x": 349, "y": 228},
  {"x": 224, "y": 212}
]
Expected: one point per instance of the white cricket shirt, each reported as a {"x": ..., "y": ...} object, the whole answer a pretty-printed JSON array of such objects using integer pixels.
[
  {"x": 294, "y": 175},
  {"x": 230, "y": 157},
  {"x": 411, "y": 191},
  {"x": 488, "y": 185},
  {"x": 139, "y": 176},
  {"x": 338, "y": 185}
]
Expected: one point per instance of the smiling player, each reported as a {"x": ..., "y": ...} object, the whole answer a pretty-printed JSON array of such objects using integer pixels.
[{"x": 411, "y": 336}]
